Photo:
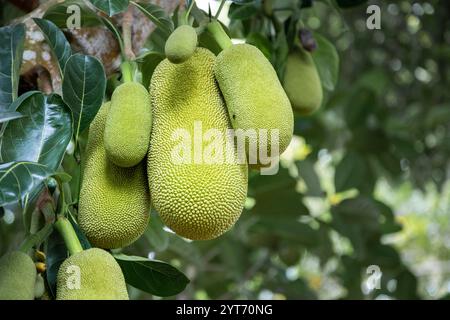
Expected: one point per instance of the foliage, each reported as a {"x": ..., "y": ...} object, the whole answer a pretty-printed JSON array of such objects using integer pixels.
[{"x": 312, "y": 230}]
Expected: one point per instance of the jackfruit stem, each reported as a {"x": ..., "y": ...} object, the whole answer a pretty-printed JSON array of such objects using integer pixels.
[
  {"x": 221, "y": 37},
  {"x": 127, "y": 72},
  {"x": 69, "y": 235}
]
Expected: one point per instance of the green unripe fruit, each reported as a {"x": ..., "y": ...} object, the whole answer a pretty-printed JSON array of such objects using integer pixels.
[
  {"x": 302, "y": 82},
  {"x": 91, "y": 275},
  {"x": 181, "y": 44},
  {"x": 114, "y": 202},
  {"x": 39, "y": 287},
  {"x": 201, "y": 200},
  {"x": 17, "y": 276},
  {"x": 254, "y": 96},
  {"x": 128, "y": 125}
]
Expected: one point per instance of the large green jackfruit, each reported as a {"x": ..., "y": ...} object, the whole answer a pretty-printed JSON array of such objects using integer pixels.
[
  {"x": 254, "y": 96},
  {"x": 17, "y": 276},
  {"x": 196, "y": 199},
  {"x": 91, "y": 275},
  {"x": 114, "y": 202},
  {"x": 128, "y": 125},
  {"x": 302, "y": 82},
  {"x": 181, "y": 44}
]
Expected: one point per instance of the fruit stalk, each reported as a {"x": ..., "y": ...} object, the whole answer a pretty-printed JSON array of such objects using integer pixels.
[
  {"x": 69, "y": 236},
  {"x": 221, "y": 37}
]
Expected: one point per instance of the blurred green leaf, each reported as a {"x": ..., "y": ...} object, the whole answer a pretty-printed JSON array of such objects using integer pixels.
[
  {"x": 155, "y": 233},
  {"x": 351, "y": 172},
  {"x": 155, "y": 277},
  {"x": 12, "y": 40},
  {"x": 111, "y": 7},
  {"x": 326, "y": 59}
]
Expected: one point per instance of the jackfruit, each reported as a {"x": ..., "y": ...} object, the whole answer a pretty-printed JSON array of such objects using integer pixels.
[
  {"x": 254, "y": 97},
  {"x": 181, "y": 44},
  {"x": 302, "y": 82},
  {"x": 128, "y": 125},
  {"x": 114, "y": 202},
  {"x": 197, "y": 199},
  {"x": 91, "y": 275},
  {"x": 17, "y": 276}
]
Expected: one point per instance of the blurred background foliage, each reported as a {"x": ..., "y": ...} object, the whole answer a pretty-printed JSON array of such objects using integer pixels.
[{"x": 366, "y": 179}]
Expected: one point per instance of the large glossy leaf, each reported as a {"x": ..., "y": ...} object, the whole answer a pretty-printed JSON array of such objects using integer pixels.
[
  {"x": 350, "y": 172},
  {"x": 57, "y": 41},
  {"x": 83, "y": 89},
  {"x": 157, "y": 15},
  {"x": 56, "y": 252},
  {"x": 326, "y": 59},
  {"x": 58, "y": 14},
  {"x": 155, "y": 277},
  {"x": 42, "y": 135},
  {"x": 8, "y": 116},
  {"x": 11, "y": 49},
  {"x": 147, "y": 64},
  {"x": 18, "y": 179},
  {"x": 111, "y": 7},
  {"x": 157, "y": 237}
]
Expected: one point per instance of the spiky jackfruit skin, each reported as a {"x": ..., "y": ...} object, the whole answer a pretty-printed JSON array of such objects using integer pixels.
[
  {"x": 197, "y": 201},
  {"x": 114, "y": 202},
  {"x": 253, "y": 94},
  {"x": 100, "y": 277},
  {"x": 17, "y": 276},
  {"x": 128, "y": 125},
  {"x": 181, "y": 44},
  {"x": 302, "y": 83}
]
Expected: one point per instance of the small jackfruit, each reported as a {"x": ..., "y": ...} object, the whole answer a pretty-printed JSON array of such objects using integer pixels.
[
  {"x": 128, "y": 125},
  {"x": 91, "y": 275},
  {"x": 196, "y": 199},
  {"x": 181, "y": 44},
  {"x": 302, "y": 82},
  {"x": 114, "y": 202},
  {"x": 17, "y": 276},
  {"x": 254, "y": 97},
  {"x": 39, "y": 287}
]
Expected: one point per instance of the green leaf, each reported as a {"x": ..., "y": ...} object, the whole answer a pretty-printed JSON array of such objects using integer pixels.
[
  {"x": 243, "y": 11},
  {"x": 155, "y": 277},
  {"x": 55, "y": 252},
  {"x": 58, "y": 14},
  {"x": 81, "y": 236},
  {"x": 326, "y": 59},
  {"x": 57, "y": 41},
  {"x": 261, "y": 42},
  {"x": 308, "y": 173},
  {"x": 289, "y": 229},
  {"x": 111, "y": 7},
  {"x": 83, "y": 89},
  {"x": 155, "y": 233},
  {"x": 42, "y": 135},
  {"x": 115, "y": 31},
  {"x": 11, "y": 49},
  {"x": 157, "y": 15},
  {"x": 8, "y": 116},
  {"x": 350, "y": 172},
  {"x": 18, "y": 179},
  {"x": 148, "y": 64}
]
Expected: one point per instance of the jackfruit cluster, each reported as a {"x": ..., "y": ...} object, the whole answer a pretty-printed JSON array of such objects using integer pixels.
[
  {"x": 17, "y": 276},
  {"x": 92, "y": 274},
  {"x": 302, "y": 82},
  {"x": 114, "y": 203},
  {"x": 198, "y": 201}
]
